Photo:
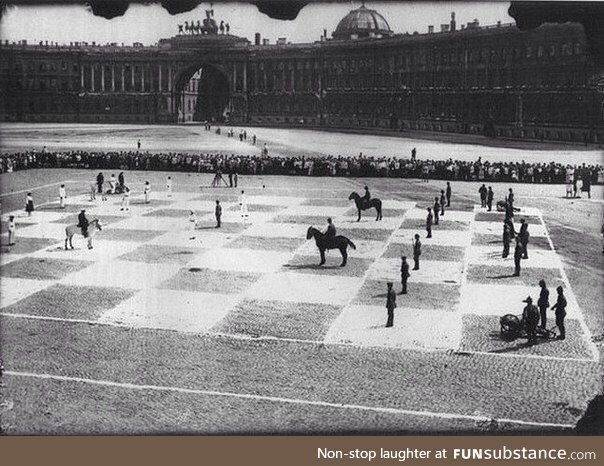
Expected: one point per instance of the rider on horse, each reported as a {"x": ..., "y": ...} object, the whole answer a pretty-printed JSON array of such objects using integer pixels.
[
  {"x": 83, "y": 223},
  {"x": 330, "y": 233},
  {"x": 366, "y": 197}
]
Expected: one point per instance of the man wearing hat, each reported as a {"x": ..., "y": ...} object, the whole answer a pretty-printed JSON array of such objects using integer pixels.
[
  {"x": 560, "y": 308},
  {"x": 543, "y": 302},
  {"x": 404, "y": 273},
  {"x": 530, "y": 315},
  {"x": 417, "y": 251},
  {"x": 390, "y": 305},
  {"x": 83, "y": 223}
]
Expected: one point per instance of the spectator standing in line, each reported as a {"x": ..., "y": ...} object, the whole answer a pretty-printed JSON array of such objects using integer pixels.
[
  {"x": 404, "y": 274},
  {"x": 218, "y": 213},
  {"x": 390, "y": 305},
  {"x": 429, "y": 220},
  {"x": 560, "y": 308},
  {"x": 543, "y": 302},
  {"x": 417, "y": 251},
  {"x": 11, "y": 230},
  {"x": 29, "y": 204},
  {"x": 62, "y": 196}
]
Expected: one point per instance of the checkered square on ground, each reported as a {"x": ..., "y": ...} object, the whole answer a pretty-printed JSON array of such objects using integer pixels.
[
  {"x": 305, "y": 321},
  {"x": 122, "y": 274},
  {"x": 365, "y": 249},
  {"x": 482, "y": 333},
  {"x": 444, "y": 224},
  {"x": 202, "y": 238},
  {"x": 103, "y": 250},
  {"x": 269, "y": 244},
  {"x": 536, "y": 242},
  {"x": 327, "y": 202},
  {"x": 369, "y": 221},
  {"x": 387, "y": 269},
  {"x": 364, "y": 234},
  {"x": 123, "y": 234},
  {"x": 496, "y": 228},
  {"x": 153, "y": 254},
  {"x": 430, "y": 252},
  {"x": 304, "y": 220},
  {"x": 15, "y": 289},
  {"x": 496, "y": 274},
  {"x": 18, "y": 225},
  {"x": 181, "y": 214},
  {"x": 104, "y": 219},
  {"x": 364, "y": 325},
  {"x": 484, "y": 216},
  {"x": 309, "y": 264},
  {"x": 70, "y": 302},
  {"x": 450, "y": 215},
  {"x": 241, "y": 260},
  {"x": 69, "y": 207},
  {"x": 304, "y": 287},
  {"x": 153, "y": 223},
  {"x": 204, "y": 280},
  {"x": 182, "y": 311},
  {"x": 278, "y": 230},
  {"x": 441, "y": 237},
  {"x": 53, "y": 231},
  {"x": 419, "y": 295},
  {"x": 491, "y": 255},
  {"x": 26, "y": 245},
  {"x": 38, "y": 268},
  {"x": 258, "y": 208}
]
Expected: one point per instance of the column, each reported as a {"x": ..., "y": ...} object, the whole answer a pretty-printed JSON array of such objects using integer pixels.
[
  {"x": 150, "y": 67},
  {"x": 170, "y": 77},
  {"x": 123, "y": 80},
  {"x": 234, "y": 77},
  {"x": 293, "y": 74},
  {"x": 81, "y": 76},
  {"x": 112, "y": 78},
  {"x": 143, "y": 78},
  {"x": 132, "y": 76},
  {"x": 159, "y": 82},
  {"x": 102, "y": 78},
  {"x": 244, "y": 76},
  {"x": 92, "y": 77}
]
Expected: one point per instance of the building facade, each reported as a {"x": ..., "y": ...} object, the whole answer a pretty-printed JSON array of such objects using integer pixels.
[{"x": 495, "y": 80}]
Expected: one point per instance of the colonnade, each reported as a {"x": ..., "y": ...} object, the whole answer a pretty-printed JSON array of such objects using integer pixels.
[{"x": 126, "y": 77}]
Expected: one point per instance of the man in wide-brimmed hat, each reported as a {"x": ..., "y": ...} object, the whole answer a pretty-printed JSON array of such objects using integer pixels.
[{"x": 530, "y": 315}]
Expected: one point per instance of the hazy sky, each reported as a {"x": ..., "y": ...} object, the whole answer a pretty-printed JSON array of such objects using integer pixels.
[{"x": 149, "y": 23}]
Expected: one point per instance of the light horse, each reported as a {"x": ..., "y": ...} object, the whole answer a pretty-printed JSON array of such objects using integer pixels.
[
  {"x": 337, "y": 242},
  {"x": 374, "y": 202},
  {"x": 71, "y": 230}
]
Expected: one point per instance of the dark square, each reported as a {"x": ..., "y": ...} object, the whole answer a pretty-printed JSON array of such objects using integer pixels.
[
  {"x": 225, "y": 227},
  {"x": 537, "y": 242},
  {"x": 24, "y": 245},
  {"x": 329, "y": 202},
  {"x": 483, "y": 216},
  {"x": 210, "y": 281},
  {"x": 482, "y": 333},
  {"x": 69, "y": 208},
  {"x": 126, "y": 234},
  {"x": 371, "y": 234},
  {"x": 311, "y": 220},
  {"x": 355, "y": 267},
  {"x": 269, "y": 244},
  {"x": 278, "y": 319},
  {"x": 430, "y": 252},
  {"x": 501, "y": 275},
  {"x": 105, "y": 219},
  {"x": 154, "y": 254},
  {"x": 419, "y": 295},
  {"x": 70, "y": 302},
  {"x": 41, "y": 268},
  {"x": 443, "y": 224},
  {"x": 173, "y": 213}
]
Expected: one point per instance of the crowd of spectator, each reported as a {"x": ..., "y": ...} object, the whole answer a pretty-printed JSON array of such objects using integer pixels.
[{"x": 266, "y": 164}]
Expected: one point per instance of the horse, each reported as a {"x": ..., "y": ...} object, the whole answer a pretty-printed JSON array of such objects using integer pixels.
[
  {"x": 374, "y": 202},
  {"x": 337, "y": 242},
  {"x": 71, "y": 230}
]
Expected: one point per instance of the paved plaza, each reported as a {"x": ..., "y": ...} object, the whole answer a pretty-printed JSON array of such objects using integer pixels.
[{"x": 239, "y": 330}]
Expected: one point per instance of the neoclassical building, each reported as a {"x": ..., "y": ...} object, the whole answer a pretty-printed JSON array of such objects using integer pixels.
[{"x": 494, "y": 80}]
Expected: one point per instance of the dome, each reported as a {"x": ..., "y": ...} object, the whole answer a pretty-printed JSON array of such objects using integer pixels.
[{"x": 362, "y": 22}]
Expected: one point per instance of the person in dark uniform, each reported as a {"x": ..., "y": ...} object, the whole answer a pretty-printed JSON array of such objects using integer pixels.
[
  {"x": 490, "y": 199},
  {"x": 100, "y": 179},
  {"x": 507, "y": 238},
  {"x": 413, "y": 154},
  {"x": 417, "y": 251},
  {"x": 404, "y": 274},
  {"x": 523, "y": 234},
  {"x": 560, "y": 308},
  {"x": 83, "y": 223},
  {"x": 218, "y": 213},
  {"x": 543, "y": 302},
  {"x": 330, "y": 233},
  {"x": 366, "y": 196},
  {"x": 517, "y": 257},
  {"x": 483, "y": 196},
  {"x": 436, "y": 210},
  {"x": 390, "y": 305},
  {"x": 530, "y": 315},
  {"x": 510, "y": 223},
  {"x": 429, "y": 223},
  {"x": 442, "y": 202},
  {"x": 448, "y": 194},
  {"x": 121, "y": 181}
]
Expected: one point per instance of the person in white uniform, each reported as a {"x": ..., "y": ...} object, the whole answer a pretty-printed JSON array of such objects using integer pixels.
[
  {"x": 243, "y": 205},
  {"x": 62, "y": 196}
]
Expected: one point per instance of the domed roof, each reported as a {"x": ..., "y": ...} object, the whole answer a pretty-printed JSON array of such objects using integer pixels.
[{"x": 362, "y": 22}]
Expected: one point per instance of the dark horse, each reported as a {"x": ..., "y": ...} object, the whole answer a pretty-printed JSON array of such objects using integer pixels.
[
  {"x": 362, "y": 205},
  {"x": 337, "y": 242}
]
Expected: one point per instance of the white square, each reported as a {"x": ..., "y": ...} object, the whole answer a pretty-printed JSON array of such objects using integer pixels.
[
  {"x": 491, "y": 255},
  {"x": 283, "y": 201},
  {"x": 389, "y": 269},
  {"x": 103, "y": 250},
  {"x": 457, "y": 216},
  {"x": 5, "y": 258},
  {"x": 16, "y": 289},
  {"x": 122, "y": 274},
  {"x": 201, "y": 207},
  {"x": 278, "y": 230},
  {"x": 241, "y": 260},
  {"x": 413, "y": 328},
  {"x": 171, "y": 310},
  {"x": 309, "y": 288},
  {"x": 193, "y": 238},
  {"x": 153, "y": 223},
  {"x": 314, "y": 210},
  {"x": 496, "y": 228},
  {"x": 401, "y": 205},
  {"x": 55, "y": 231}
]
